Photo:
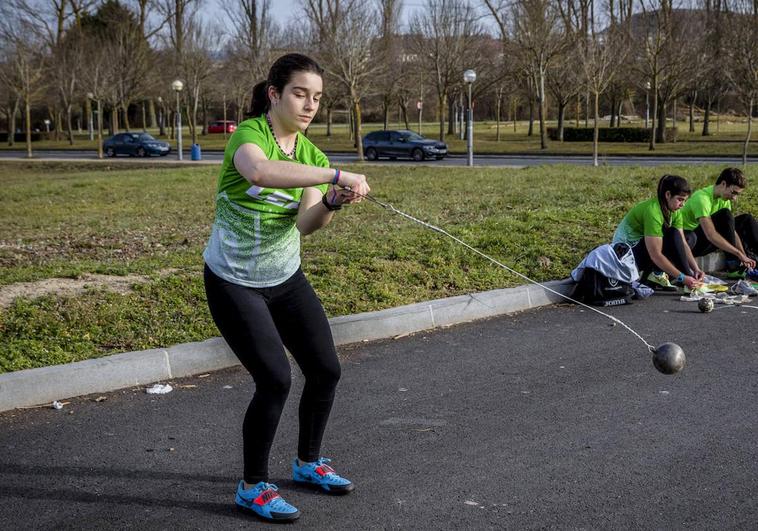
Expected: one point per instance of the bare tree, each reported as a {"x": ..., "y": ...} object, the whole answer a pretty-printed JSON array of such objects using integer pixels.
[
  {"x": 742, "y": 67},
  {"x": 538, "y": 32},
  {"x": 25, "y": 60},
  {"x": 197, "y": 69},
  {"x": 444, "y": 33},
  {"x": 349, "y": 60},
  {"x": 600, "y": 54}
]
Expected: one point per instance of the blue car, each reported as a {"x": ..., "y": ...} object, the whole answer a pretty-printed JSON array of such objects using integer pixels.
[
  {"x": 135, "y": 145},
  {"x": 394, "y": 144}
]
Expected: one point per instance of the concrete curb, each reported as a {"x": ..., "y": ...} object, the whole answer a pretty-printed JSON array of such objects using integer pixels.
[{"x": 39, "y": 386}]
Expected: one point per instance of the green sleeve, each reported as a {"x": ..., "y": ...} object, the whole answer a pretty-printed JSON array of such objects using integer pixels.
[
  {"x": 699, "y": 206},
  {"x": 677, "y": 219}
]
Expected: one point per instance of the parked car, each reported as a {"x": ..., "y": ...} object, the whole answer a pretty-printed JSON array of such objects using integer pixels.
[
  {"x": 219, "y": 125},
  {"x": 135, "y": 145},
  {"x": 394, "y": 144}
]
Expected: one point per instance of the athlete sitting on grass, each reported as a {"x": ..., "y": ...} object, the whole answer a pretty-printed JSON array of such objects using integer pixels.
[
  {"x": 653, "y": 229},
  {"x": 709, "y": 224}
]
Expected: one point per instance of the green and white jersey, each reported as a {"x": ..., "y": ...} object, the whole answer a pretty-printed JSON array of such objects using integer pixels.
[
  {"x": 644, "y": 219},
  {"x": 702, "y": 204},
  {"x": 254, "y": 241}
]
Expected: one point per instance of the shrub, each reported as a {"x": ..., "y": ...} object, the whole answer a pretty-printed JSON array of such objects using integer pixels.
[{"x": 608, "y": 134}]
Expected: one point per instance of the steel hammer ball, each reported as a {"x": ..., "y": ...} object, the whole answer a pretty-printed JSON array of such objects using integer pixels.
[{"x": 669, "y": 358}]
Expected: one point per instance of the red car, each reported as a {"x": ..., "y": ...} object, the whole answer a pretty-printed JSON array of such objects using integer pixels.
[{"x": 219, "y": 125}]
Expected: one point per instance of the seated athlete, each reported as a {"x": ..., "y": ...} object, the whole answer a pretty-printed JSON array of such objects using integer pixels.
[
  {"x": 710, "y": 225},
  {"x": 653, "y": 229}
]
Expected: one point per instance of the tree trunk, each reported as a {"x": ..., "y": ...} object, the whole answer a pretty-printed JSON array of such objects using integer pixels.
[
  {"x": 114, "y": 121},
  {"x": 404, "y": 114},
  {"x": 542, "y": 111},
  {"x": 530, "y": 131},
  {"x": 561, "y": 116},
  {"x": 151, "y": 113},
  {"x": 707, "y": 117},
  {"x": 99, "y": 131},
  {"x": 578, "y": 108},
  {"x": 125, "y": 111},
  {"x": 329, "y": 121},
  {"x": 28, "y": 118},
  {"x": 661, "y": 129},
  {"x": 515, "y": 113},
  {"x": 69, "y": 126},
  {"x": 450, "y": 115},
  {"x": 613, "y": 111},
  {"x": 651, "y": 147},
  {"x": 692, "y": 111},
  {"x": 498, "y": 104},
  {"x": 596, "y": 131},
  {"x": 749, "y": 131},
  {"x": 161, "y": 119},
  {"x": 386, "y": 113},
  {"x": 357, "y": 127},
  {"x": 12, "y": 124},
  {"x": 144, "y": 117},
  {"x": 441, "y": 109}
]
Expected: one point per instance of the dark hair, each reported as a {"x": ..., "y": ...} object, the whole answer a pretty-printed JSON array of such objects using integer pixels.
[
  {"x": 278, "y": 76},
  {"x": 675, "y": 185},
  {"x": 732, "y": 177}
]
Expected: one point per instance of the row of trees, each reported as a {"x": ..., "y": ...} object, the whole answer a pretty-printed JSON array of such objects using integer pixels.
[{"x": 121, "y": 56}]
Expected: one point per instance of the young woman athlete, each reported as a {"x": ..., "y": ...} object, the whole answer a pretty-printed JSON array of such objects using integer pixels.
[
  {"x": 653, "y": 229},
  {"x": 274, "y": 186}
]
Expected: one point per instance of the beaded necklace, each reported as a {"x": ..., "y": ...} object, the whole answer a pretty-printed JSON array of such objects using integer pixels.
[{"x": 291, "y": 154}]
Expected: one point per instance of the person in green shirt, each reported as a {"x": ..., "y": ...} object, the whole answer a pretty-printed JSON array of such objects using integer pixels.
[
  {"x": 710, "y": 225},
  {"x": 275, "y": 186},
  {"x": 653, "y": 229}
]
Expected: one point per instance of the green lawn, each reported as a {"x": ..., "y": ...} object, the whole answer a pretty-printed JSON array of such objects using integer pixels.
[
  {"x": 63, "y": 220},
  {"x": 727, "y": 139}
]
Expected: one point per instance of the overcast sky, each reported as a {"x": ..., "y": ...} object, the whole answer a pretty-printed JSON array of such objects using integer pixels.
[{"x": 283, "y": 10}]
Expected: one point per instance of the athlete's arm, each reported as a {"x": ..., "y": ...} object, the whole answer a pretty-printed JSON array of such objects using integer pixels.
[
  {"x": 709, "y": 229},
  {"x": 654, "y": 246},
  {"x": 253, "y": 165}
]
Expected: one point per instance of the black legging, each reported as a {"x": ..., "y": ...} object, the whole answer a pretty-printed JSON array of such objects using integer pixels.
[
  {"x": 673, "y": 249},
  {"x": 258, "y": 323},
  {"x": 726, "y": 224}
]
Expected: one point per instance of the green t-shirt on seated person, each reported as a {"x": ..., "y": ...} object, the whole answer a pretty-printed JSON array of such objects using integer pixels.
[
  {"x": 702, "y": 204},
  {"x": 254, "y": 241},
  {"x": 644, "y": 219}
]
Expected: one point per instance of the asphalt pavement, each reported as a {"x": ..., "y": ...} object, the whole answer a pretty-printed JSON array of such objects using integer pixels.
[
  {"x": 214, "y": 157},
  {"x": 551, "y": 418}
]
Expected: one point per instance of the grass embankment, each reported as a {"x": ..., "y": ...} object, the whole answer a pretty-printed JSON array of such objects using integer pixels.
[
  {"x": 727, "y": 139},
  {"x": 62, "y": 221}
]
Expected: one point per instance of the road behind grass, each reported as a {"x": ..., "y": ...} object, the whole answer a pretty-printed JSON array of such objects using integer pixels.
[{"x": 548, "y": 419}]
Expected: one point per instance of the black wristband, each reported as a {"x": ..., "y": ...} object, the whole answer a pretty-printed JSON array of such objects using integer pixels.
[{"x": 329, "y": 206}]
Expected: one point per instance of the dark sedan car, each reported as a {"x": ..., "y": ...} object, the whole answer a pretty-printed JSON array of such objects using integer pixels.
[
  {"x": 135, "y": 145},
  {"x": 394, "y": 144}
]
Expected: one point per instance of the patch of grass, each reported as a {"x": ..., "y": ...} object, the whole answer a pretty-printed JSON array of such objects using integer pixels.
[{"x": 62, "y": 221}]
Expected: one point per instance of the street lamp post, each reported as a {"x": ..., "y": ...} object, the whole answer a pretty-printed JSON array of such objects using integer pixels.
[
  {"x": 177, "y": 86},
  {"x": 647, "y": 103},
  {"x": 469, "y": 76},
  {"x": 90, "y": 126}
]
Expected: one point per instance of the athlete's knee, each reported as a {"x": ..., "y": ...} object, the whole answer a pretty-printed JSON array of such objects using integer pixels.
[
  {"x": 326, "y": 375},
  {"x": 275, "y": 385}
]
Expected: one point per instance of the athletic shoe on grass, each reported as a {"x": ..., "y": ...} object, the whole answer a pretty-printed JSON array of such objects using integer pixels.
[
  {"x": 743, "y": 287},
  {"x": 320, "y": 474},
  {"x": 263, "y": 500}
]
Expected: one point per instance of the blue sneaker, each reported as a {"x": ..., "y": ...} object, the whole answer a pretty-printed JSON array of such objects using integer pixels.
[
  {"x": 264, "y": 500},
  {"x": 752, "y": 274},
  {"x": 320, "y": 474}
]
